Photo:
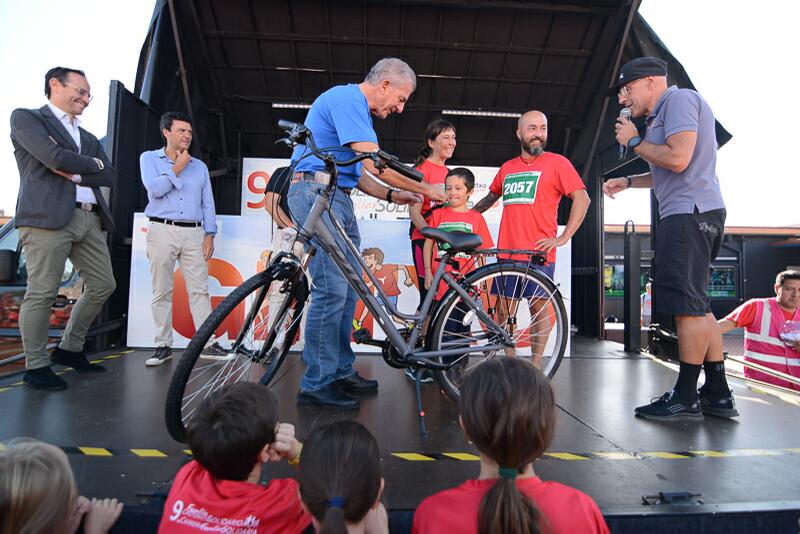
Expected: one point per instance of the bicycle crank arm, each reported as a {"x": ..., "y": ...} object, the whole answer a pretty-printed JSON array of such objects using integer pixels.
[
  {"x": 426, "y": 363},
  {"x": 363, "y": 337}
]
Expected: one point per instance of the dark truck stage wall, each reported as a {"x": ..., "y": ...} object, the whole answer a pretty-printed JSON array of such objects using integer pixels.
[{"x": 236, "y": 65}]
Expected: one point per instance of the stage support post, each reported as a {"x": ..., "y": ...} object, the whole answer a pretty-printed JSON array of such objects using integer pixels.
[{"x": 632, "y": 288}]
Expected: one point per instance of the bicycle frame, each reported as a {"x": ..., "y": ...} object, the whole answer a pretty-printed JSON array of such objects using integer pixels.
[{"x": 315, "y": 228}]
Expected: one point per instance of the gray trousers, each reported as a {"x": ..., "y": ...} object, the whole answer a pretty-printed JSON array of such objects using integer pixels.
[{"x": 46, "y": 253}]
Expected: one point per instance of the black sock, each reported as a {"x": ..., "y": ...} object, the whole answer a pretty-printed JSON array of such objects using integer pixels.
[
  {"x": 716, "y": 382},
  {"x": 686, "y": 386}
]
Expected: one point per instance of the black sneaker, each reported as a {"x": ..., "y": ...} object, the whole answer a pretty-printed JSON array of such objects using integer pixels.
[
  {"x": 216, "y": 352},
  {"x": 668, "y": 407},
  {"x": 427, "y": 376},
  {"x": 161, "y": 355},
  {"x": 718, "y": 405},
  {"x": 43, "y": 378},
  {"x": 76, "y": 360}
]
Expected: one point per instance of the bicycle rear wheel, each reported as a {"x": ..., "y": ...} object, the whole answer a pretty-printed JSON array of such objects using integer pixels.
[
  {"x": 524, "y": 302},
  {"x": 260, "y": 345}
]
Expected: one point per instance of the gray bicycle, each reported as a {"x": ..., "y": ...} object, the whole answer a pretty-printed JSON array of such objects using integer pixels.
[{"x": 502, "y": 308}]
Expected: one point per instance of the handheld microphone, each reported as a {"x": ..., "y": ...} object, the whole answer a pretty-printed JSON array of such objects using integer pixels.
[{"x": 624, "y": 113}]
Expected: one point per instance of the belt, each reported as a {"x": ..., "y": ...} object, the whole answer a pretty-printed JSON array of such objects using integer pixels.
[
  {"x": 86, "y": 206},
  {"x": 185, "y": 224},
  {"x": 318, "y": 177}
]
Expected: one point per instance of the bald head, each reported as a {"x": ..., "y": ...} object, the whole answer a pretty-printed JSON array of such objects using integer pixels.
[{"x": 532, "y": 132}]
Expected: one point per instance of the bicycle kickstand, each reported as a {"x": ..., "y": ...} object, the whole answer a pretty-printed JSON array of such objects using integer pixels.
[{"x": 423, "y": 432}]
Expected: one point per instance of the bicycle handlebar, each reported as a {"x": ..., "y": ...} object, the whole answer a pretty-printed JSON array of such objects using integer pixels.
[{"x": 300, "y": 134}]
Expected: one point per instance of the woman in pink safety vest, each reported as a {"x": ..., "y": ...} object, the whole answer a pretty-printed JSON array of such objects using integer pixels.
[{"x": 772, "y": 330}]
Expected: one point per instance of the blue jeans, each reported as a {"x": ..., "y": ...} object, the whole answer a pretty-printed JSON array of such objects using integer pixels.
[{"x": 329, "y": 317}]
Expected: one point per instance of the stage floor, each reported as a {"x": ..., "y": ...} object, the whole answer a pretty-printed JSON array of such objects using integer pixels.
[{"x": 112, "y": 428}]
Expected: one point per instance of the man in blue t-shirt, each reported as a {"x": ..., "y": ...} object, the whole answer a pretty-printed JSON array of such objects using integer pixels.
[
  {"x": 681, "y": 147},
  {"x": 342, "y": 116}
]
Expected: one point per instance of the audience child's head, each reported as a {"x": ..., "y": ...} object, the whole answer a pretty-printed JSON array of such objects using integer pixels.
[
  {"x": 38, "y": 494},
  {"x": 232, "y": 430},
  {"x": 508, "y": 412},
  {"x": 340, "y": 475},
  {"x": 458, "y": 186}
]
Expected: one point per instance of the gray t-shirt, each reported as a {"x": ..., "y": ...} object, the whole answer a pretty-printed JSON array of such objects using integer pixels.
[{"x": 684, "y": 110}]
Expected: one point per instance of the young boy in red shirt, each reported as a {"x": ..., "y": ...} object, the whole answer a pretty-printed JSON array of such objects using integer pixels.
[
  {"x": 235, "y": 432},
  {"x": 508, "y": 411},
  {"x": 455, "y": 217}
]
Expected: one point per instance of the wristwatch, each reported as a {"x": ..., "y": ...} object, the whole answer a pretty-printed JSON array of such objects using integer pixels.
[
  {"x": 634, "y": 141},
  {"x": 100, "y": 164}
]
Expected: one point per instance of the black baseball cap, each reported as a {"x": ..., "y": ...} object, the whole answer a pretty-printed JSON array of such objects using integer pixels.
[{"x": 640, "y": 67}]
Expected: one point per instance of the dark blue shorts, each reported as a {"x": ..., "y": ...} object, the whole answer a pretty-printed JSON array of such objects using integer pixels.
[{"x": 508, "y": 285}]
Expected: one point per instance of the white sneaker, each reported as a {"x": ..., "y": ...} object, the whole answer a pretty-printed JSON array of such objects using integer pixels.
[{"x": 159, "y": 357}]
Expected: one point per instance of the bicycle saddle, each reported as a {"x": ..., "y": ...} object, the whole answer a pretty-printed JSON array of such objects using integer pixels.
[{"x": 458, "y": 241}]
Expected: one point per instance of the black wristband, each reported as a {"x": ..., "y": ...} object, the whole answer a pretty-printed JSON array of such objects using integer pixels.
[
  {"x": 628, "y": 178},
  {"x": 389, "y": 195}
]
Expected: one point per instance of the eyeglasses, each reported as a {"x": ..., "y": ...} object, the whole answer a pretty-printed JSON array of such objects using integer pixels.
[
  {"x": 83, "y": 93},
  {"x": 624, "y": 91}
]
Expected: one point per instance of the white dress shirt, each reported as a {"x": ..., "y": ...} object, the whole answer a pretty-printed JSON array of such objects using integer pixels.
[{"x": 82, "y": 194}]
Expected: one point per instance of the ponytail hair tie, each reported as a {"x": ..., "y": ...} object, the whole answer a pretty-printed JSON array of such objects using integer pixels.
[
  {"x": 336, "y": 502},
  {"x": 508, "y": 472}
]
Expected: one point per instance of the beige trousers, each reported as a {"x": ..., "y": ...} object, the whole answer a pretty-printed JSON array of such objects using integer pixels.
[
  {"x": 282, "y": 240},
  {"x": 167, "y": 244},
  {"x": 46, "y": 252}
]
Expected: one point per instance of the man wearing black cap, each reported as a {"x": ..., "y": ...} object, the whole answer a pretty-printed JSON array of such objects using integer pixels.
[{"x": 680, "y": 146}]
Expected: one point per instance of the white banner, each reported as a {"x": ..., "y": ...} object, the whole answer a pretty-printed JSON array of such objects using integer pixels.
[
  {"x": 256, "y": 172},
  {"x": 238, "y": 250}
]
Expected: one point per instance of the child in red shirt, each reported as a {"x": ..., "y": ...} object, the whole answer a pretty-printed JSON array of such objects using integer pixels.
[
  {"x": 234, "y": 432},
  {"x": 455, "y": 217},
  {"x": 508, "y": 412},
  {"x": 340, "y": 480}
]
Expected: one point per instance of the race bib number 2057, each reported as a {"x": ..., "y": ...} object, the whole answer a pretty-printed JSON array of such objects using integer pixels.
[{"x": 520, "y": 187}]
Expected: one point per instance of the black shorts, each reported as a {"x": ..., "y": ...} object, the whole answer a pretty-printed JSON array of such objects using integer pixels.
[{"x": 686, "y": 244}]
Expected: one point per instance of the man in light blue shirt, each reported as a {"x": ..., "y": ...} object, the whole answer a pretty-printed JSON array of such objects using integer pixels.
[{"x": 182, "y": 228}]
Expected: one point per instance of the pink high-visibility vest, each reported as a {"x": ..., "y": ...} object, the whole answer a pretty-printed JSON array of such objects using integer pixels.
[{"x": 763, "y": 344}]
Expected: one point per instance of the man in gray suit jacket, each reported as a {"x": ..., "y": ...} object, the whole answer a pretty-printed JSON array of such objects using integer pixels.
[{"x": 61, "y": 213}]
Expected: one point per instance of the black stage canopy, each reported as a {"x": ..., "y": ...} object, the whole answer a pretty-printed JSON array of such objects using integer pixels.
[{"x": 240, "y": 65}]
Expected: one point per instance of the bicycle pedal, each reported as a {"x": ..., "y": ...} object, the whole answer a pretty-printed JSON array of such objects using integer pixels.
[{"x": 362, "y": 335}]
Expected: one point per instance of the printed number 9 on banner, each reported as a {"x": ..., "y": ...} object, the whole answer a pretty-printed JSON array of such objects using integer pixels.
[{"x": 257, "y": 185}]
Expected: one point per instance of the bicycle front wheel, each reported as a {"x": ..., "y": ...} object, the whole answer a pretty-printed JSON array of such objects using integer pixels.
[
  {"x": 262, "y": 338},
  {"x": 523, "y": 302}
]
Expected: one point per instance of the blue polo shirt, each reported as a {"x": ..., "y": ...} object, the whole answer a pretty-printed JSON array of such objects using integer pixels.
[
  {"x": 338, "y": 117},
  {"x": 682, "y": 110}
]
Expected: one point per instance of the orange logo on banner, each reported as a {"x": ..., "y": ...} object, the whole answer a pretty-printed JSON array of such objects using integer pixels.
[
  {"x": 257, "y": 189},
  {"x": 228, "y": 276}
]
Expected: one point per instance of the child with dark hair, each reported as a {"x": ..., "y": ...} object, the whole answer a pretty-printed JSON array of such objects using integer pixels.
[
  {"x": 455, "y": 217},
  {"x": 508, "y": 412},
  {"x": 341, "y": 482},
  {"x": 232, "y": 435}
]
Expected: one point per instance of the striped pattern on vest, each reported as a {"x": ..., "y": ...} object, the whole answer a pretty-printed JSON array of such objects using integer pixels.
[{"x": 763, "y": 344}]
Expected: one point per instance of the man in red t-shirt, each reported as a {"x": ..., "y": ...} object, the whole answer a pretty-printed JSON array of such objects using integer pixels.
[{"x": 532, "y": 186}]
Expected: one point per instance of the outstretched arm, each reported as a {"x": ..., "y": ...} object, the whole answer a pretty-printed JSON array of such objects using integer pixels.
[{"x": 486, "y": 202}]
